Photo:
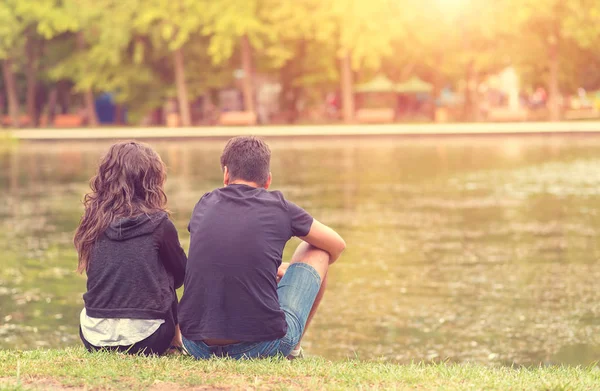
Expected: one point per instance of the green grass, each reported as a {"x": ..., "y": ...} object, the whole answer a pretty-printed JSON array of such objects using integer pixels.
[{"x": 74, "y": 368}]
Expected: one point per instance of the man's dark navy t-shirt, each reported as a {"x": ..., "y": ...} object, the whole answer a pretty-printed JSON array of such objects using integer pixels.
[{"x": 238, "y": 234}]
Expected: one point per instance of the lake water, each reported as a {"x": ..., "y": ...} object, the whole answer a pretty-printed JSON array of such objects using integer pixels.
[{"x": 466, "y": 249}]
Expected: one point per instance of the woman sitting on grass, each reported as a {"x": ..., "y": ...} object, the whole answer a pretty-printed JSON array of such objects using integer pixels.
[{"x": 131, "y": 254}]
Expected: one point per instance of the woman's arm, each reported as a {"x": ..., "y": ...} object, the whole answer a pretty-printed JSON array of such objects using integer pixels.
[{"x": 171, "y": 253}]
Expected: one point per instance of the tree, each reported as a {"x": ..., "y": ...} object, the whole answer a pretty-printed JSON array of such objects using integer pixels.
[
  {"x": 11, "y": 29},
  {"x": 310, "y": 69},
  {"x": 358, "y": 34},
  {"x": 26, "y": 24},
  {"x": 549, "y": 31},
  {"x": 92, "y": 48},
  {"x": 176, "y": 21},
  {"x": 139, "y": 52},
  {"x": 240, "y": 25},
  {"x": 458, "y": 44},
  {"x": 43, "y": 20},
  {"x": 109, "y": 55},
  {"x": 365, "y": 32},
  {"x": 301, "y": 50}
]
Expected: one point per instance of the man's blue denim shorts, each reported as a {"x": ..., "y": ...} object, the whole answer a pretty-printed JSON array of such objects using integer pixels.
[{"x": 297, "y": 291}]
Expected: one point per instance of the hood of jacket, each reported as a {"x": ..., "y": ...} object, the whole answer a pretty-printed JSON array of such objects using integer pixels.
[{"x": 131, "y": 227}]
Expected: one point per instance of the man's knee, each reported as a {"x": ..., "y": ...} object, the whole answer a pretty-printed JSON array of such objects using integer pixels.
[{"x": 313, "y": 256}]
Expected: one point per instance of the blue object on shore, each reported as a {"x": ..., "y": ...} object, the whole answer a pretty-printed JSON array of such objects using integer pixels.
[{"x": 106, "y": 109}]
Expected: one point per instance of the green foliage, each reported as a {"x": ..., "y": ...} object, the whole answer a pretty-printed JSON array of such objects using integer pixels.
[
  {"x": 47, "y": 17},
  {"x": 227, "y": 21},
  {"x": 127, "y": 45},
  {"x": 571, "y": 25},
  {"x": 11, "y": 28}
]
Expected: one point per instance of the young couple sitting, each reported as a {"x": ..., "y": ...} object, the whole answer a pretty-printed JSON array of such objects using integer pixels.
[{"x": 239, "y": 300}]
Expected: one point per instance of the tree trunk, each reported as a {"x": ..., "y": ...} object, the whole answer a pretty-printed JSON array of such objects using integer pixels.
[
  {"x": 63, "y": 94},
  {"x": 291, "y": 91},
  {"x": 52, "y": 99},
  {"x": 468, "y": 98},
  {"x": 436, "y": 93},
  {"x": 90, "y": 108},
  {"x": 119, "y": 120},
  {"x": 248, "y": 74},
  {"x": 88, "y": 96},
  {"x": 31, "y": 76},
  {"x": 347, "y": 85},
  {"x": 553, "y": 88},
  {"x": 180, "y": 83},
  {"x": 285, "y": 96},
  {"x": 476, "y": 113},
  {"x": 11, "y": 92},
  {"x": 438, "y": 80}
]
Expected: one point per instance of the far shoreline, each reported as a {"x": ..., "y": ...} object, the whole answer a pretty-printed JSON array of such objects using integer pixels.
[{"x": 307, "y": 131}]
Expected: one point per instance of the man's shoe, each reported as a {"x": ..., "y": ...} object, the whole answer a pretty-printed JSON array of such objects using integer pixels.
[{"x": 295, "y": 354}]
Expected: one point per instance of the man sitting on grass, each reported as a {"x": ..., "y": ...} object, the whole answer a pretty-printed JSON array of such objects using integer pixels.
[{"x": 232, "y": 304}]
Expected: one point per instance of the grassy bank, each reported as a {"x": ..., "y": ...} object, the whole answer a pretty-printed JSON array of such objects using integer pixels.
[{"x": 76, "y": 369}]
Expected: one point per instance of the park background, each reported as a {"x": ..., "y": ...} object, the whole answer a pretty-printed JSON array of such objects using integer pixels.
[{"x": 68, "y": 63}]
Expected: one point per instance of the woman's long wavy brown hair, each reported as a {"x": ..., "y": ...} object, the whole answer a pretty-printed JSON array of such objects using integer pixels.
[{"x": 129, "y": 182}]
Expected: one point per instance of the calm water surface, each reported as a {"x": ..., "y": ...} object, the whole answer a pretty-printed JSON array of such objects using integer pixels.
[{"x": 463, "y": 249}]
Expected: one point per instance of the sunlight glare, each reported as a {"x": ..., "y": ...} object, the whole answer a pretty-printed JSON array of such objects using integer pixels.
[{"x": 452, "y": 4}]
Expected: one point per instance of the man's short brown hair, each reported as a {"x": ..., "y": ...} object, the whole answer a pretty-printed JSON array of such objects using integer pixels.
[{"x": 248, "y": 159}]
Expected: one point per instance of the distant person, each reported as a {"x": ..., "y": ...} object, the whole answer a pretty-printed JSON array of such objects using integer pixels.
[
  {"x": 233, "y": 304},
  {"x": 131, "y": 254},
  {"x": 332, "y": 106}
]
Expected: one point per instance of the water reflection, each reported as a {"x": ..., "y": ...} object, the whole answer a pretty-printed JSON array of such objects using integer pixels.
[{"x": 463, "y": 249}]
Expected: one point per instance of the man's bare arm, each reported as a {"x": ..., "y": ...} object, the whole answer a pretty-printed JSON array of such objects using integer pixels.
[{"x": 325, "y": 238}]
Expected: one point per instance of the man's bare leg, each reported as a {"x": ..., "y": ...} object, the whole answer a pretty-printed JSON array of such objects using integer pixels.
[{"x": 319, "y": 260}]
